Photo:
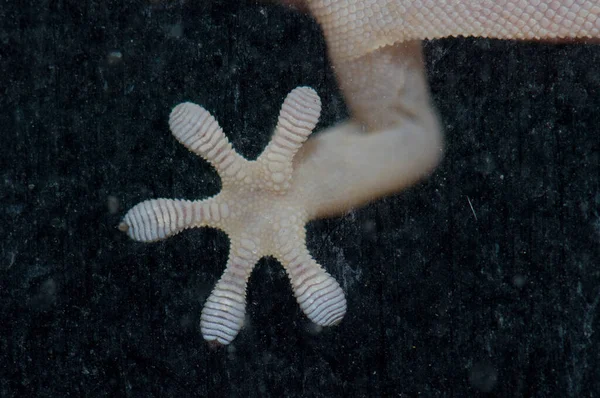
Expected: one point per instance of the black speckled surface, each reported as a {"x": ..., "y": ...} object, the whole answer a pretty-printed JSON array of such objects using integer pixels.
[{"x": 482, "y": 280}]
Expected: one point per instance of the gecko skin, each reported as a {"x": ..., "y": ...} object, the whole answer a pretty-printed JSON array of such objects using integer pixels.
[{"x": 393, "y": 140}]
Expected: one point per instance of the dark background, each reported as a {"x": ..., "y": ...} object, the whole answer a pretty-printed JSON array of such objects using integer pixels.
[{"x": 443, "y": 299}]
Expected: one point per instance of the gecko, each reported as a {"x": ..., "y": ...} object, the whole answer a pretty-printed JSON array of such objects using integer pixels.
[{"x": 392, "y": 140}]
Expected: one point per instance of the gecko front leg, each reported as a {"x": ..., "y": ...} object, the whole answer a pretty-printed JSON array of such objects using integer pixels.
[{"x": 375, "y": 50}]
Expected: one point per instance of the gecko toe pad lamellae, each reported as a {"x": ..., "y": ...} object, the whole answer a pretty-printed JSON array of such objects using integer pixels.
[{"x": 257, "y": 208}]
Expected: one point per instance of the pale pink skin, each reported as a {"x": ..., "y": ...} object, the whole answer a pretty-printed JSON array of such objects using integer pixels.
[
  {"x": 392, "y": 140},
  {"x": 380, "y": 69}
]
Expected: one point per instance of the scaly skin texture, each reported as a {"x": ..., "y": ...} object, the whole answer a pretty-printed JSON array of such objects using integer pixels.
[
  {"x": 261, "y": 208},
  {"x": 354, "y": 28},
  {"x": 393, "y": 140}
]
